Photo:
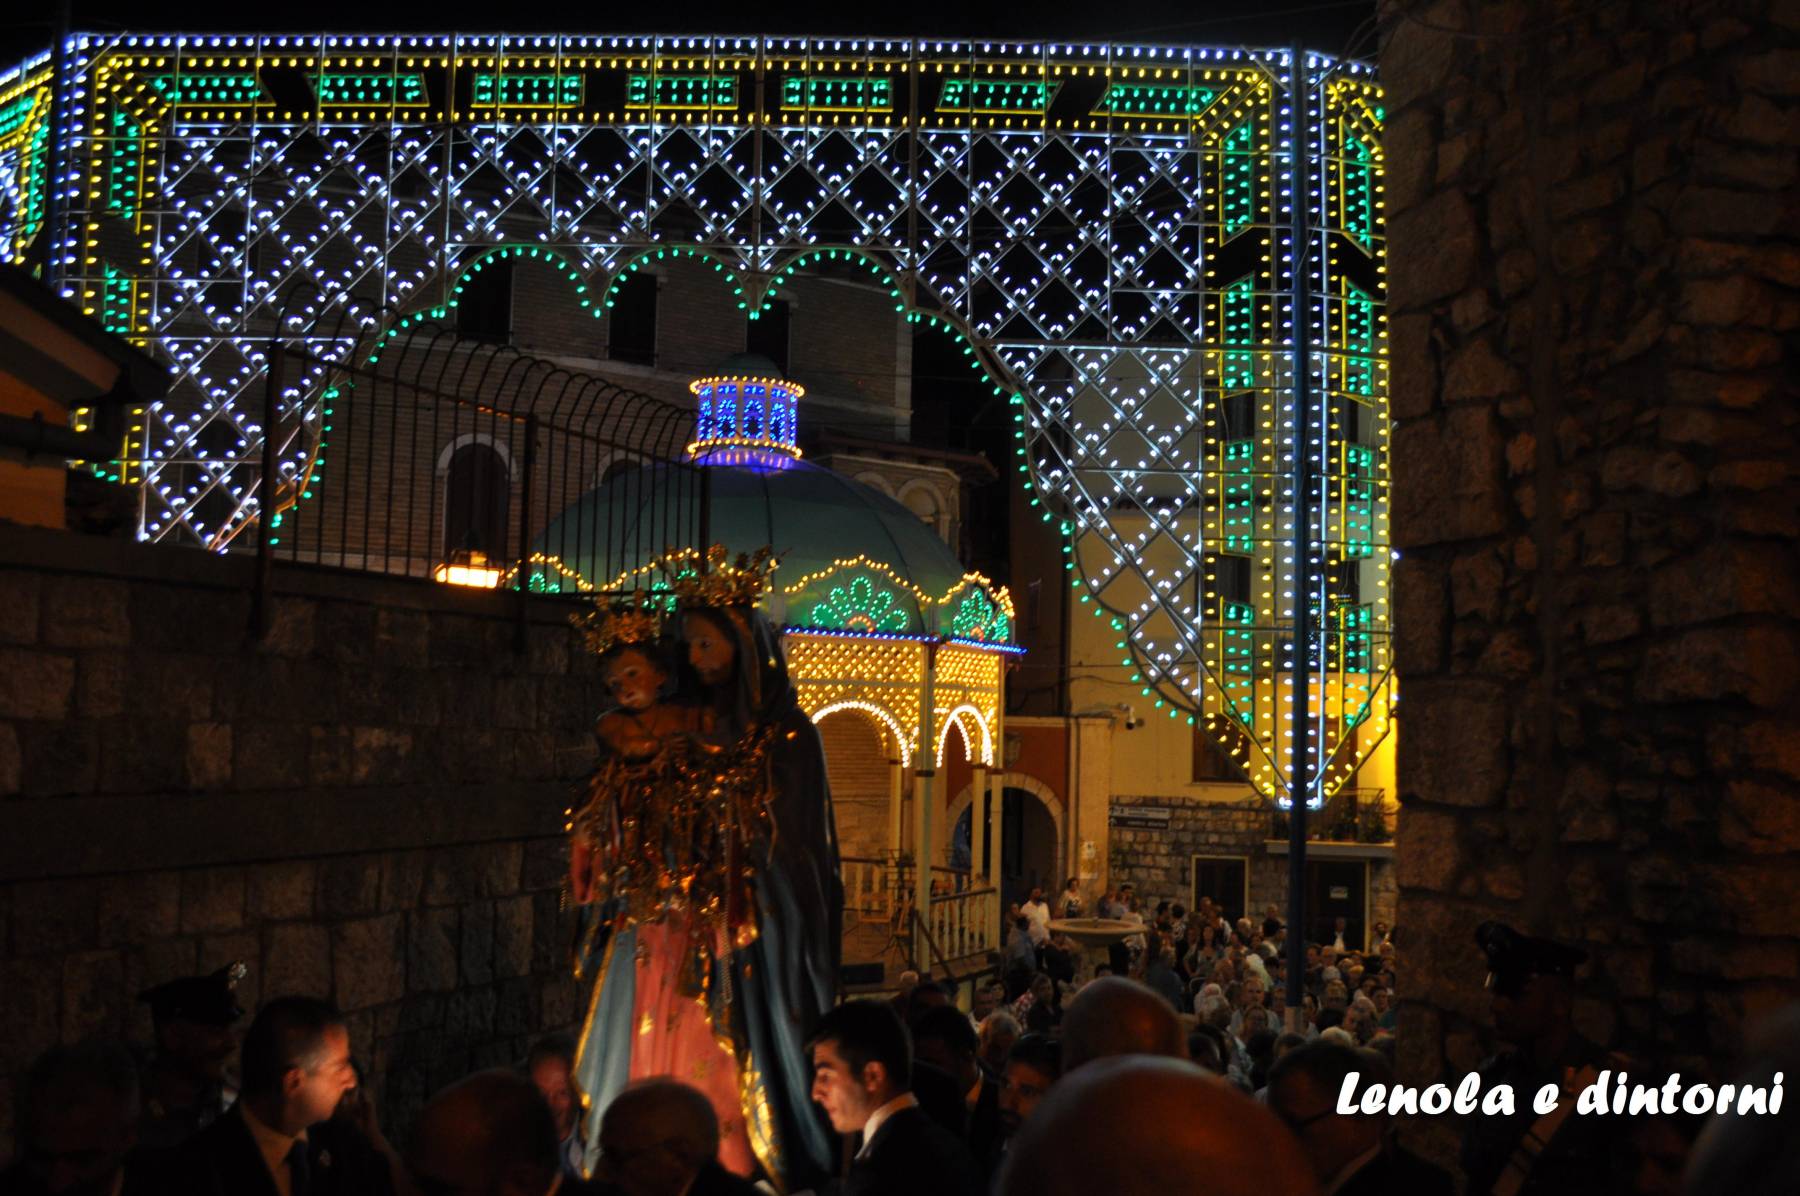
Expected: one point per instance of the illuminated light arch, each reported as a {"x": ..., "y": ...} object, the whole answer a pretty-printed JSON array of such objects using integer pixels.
[
  {"x": 881, "y": 716},
  {"x": 656, "y": 253},
  {"x": 783, "y": 271},
  {"x": 1119, "y": 262},
  {"x": 312, "y": 459},
  {"x": 954, "y": 718},
  {"x": 482, "y": 259}
]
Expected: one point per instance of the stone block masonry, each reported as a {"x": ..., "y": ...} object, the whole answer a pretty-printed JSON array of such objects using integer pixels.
[
  {"x": 365, "y": 805},
  {"x": 1594, "y": 299},
  {"x": 1161, "y": 863}
]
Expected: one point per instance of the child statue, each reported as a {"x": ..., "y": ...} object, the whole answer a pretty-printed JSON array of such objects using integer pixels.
[{"x": 632, "y": 734}]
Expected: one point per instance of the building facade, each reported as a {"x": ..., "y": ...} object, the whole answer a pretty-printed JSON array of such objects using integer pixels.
[{"x": 1146, "y": 283}]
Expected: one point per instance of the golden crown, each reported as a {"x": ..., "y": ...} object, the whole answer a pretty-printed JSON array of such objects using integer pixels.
[
  {"x": 614, "y": 622},
  {"x": 718, "y": 580}
]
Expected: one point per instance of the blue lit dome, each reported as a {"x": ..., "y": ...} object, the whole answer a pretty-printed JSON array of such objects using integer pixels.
[
  {"x": 746, "y": 415},
  {"x": 852, "y": 559}
]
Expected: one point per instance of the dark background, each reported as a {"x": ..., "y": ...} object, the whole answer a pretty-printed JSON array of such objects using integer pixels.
[{"x": 1341, "y": 27}]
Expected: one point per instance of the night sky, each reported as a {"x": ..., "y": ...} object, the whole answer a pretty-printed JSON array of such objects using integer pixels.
[{"x": 1334, "y": 26}]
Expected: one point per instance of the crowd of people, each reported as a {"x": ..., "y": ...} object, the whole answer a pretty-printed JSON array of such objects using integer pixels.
[
  {"x": 1230, "y": 976},
  {"x": 1168, "y": 1067},
  {"x": 293, "y": 1121}
]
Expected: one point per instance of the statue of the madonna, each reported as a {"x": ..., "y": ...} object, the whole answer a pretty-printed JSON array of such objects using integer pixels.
[{"x": 705, "y": 862}]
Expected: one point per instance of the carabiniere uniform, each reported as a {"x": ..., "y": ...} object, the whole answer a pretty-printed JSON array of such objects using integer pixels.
[
  {"x": 209, "y": 1000},
  {"x": 1532, "y": 1154}
]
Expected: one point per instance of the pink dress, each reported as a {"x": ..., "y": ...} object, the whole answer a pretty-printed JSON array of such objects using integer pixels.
[{"x": 674, "y": 1037}]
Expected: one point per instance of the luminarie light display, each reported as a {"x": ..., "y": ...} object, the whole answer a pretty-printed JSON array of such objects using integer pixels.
[{"x": 1154, "y": 251}]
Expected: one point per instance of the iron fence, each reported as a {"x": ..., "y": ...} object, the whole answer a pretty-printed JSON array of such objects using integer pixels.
[{"x": 420, "y": 452}]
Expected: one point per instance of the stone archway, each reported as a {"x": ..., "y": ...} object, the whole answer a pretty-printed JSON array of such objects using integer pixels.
[{"x": 1029, "y": 788}]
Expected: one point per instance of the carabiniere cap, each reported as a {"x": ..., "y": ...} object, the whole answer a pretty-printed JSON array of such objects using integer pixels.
[
  {"x": 1514, "y": 958},
  {"x": 205, "y": 1000}
]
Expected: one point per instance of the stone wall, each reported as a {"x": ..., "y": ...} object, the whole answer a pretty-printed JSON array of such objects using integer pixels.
[
  {"x": 1161, "y": 863},
  {"x": 364, "y": 805},
  {"x": 1594, "y": 290}
]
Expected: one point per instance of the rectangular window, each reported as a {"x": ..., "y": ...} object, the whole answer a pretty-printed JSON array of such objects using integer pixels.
[
  {"x": 1212, "y": 761},
  {"x": 484, "y": 308},
  {"x": 632, "y": 335},
  {"x": 768, "y": 333},
  {"x": 1232, "y": 578},
  {"x": 1240, "y": 416},
  {"x": 1337, "y": 889}
]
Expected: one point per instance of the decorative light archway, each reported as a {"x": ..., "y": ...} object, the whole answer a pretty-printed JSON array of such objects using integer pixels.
[
  {"x": 984, "y": 754},
  {"x": 1171, "y": 258},
  {"x": 876, "y": 714}
]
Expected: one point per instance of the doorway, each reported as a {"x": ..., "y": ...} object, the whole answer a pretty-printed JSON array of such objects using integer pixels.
[
  {"x": 1337, "y": 889},
  {"x": 1027, "y": 844},
  {"x": 1226, "y": 880},
  {"x": 1027, "y": 847}
]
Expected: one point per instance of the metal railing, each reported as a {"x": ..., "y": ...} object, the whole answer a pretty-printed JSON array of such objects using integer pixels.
[
  {"x": 421, "y": 453},
  {"x": 964, "y": 920},
  {"x": 1348, "y": 816}
]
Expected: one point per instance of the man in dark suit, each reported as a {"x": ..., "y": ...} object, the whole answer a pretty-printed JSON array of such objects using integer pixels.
[
  {"x": 1351, "y": 1154},
  {"x": 862, "y": 1077},
  {"x": 661, "y": 1138},
  {"x": 943, "y": 1039},
  {"x": 280, "y": 1139}
]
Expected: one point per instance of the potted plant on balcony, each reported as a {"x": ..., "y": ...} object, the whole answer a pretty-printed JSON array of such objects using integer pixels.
[{"x": 1372, "y": 823}]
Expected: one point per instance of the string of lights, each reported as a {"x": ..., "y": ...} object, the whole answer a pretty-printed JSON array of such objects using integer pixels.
[{"x": 1107, "y": 232}]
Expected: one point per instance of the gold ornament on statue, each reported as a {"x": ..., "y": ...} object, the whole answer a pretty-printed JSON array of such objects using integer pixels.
[
  {"x": 614, "y": 622},
  {"x": 724, "y": 582}
]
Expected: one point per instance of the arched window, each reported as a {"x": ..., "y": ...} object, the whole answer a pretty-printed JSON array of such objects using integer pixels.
[
  {"x": 631, "y": 332},
  {"x": 477, "y": 495},
  {"x": 924, "y": 502}
]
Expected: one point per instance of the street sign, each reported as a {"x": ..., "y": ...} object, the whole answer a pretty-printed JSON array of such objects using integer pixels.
[{"x": 1144, "y": 818}]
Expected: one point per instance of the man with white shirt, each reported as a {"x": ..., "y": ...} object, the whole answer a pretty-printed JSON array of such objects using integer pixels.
[
  {"x": 1037, "y": 912},
  {"x": 862, "y": 1077}
]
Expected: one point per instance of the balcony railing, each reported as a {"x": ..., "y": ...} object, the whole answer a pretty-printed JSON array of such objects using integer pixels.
[
  {"x": 964, "y": 918},
  {"x": 1349, "y": 816}
]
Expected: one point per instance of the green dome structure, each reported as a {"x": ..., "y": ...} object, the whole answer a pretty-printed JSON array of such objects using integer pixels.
[{"x": 852, "y": 558}]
